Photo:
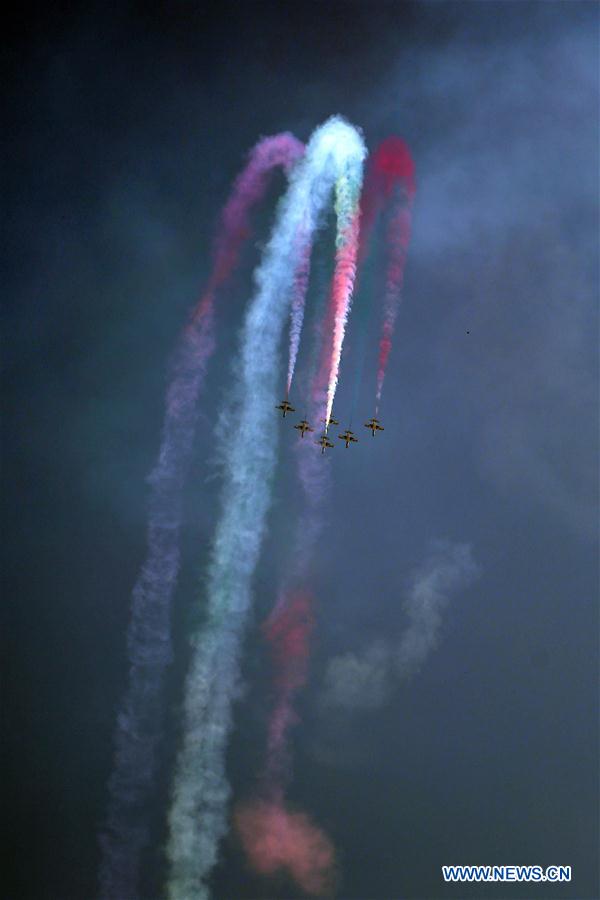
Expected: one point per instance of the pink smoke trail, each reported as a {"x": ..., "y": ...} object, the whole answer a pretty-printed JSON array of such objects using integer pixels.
[
  {"x": 139, "y": 722},
  {"x": 279, "y": 151},
  {"x": 273, "y": 837},
  {"x": 391, "y": 165}
]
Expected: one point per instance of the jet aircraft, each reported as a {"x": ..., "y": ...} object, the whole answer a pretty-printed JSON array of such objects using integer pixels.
[
  {"x": 285, "y": 407},
  {"x": 331, "y": 421},
  {"x": 324, "y": 442},
  {"x": 374, "y": 425},
  {"x": 348, "y": 437},
  {"x": 303, "y": 427}
]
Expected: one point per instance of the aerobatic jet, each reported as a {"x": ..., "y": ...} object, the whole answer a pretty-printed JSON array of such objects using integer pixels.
[
  {"x": 324, "y": 442},
  {"x": 348, "y": 437},
  {"x": 374, "y": 425},
  {"x": 331, "y": 421},
  {"x": 285, "y": 407},
  {"x": 303, "y": 427}
]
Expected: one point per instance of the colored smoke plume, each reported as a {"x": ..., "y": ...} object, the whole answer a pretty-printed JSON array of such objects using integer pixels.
[
  {"x": 234, "y": 227},
  {"x": 277, "y": 840},
  {"x": 341, "y": 292},
  {"x": 390, "y": 179}
]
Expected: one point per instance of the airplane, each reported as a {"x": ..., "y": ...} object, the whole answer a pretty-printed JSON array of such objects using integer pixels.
[
  {"x": 374, "y": 425},
  {"x": 324, "y": 443},
  {"x": 285, "y": 407},
  {"x": 303, "y": 426},
  {"x": 348, "y": 436},
  {"x": 331, "y": 421}
]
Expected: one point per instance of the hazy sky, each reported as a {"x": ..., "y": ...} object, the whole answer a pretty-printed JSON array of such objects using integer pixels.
[{"x": 124, "y": 132}]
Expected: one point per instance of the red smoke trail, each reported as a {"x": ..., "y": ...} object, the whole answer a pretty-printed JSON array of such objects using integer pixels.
[
  {"x": 390, "y": 167},
  {"x": 297, "y": 308},
  {"x": 273, "y": 837},
  {"x": 287, "y": 631}
]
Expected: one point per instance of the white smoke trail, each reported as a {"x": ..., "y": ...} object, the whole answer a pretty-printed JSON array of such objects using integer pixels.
[
  {"x": 365, "y": 680},
  {"x": 197, "y": 818}
]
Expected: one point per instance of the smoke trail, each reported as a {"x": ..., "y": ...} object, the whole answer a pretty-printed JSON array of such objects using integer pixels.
[
  {"x": 447, "y": 569},
  {"x": 287, "y": 631},
  {"x": 139, "y": 720},
  {"x": 280, "y": 150},
  {"x": 398, "y": 238},
  {"x": 391, "y": 166},
  {"x": 140, "y": 717},
  {"x": 365, "y": 680},
  {"x": 198, "y": 814},
  {"x": 275, "y": 839},
  {"x": 336, "y": 317}
]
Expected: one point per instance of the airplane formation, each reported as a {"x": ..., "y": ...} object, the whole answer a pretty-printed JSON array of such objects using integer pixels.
[{"x": 323, "y": 441}]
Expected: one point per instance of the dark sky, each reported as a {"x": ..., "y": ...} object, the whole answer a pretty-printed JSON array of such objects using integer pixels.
[{"x": 124, "y": 129}]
